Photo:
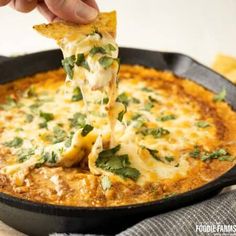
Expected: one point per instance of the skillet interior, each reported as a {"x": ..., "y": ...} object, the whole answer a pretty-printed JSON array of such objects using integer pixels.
[{"x": 41, "y": 219}]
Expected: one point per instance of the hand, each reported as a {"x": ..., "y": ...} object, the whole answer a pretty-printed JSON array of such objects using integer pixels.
[{"x": 77, "y": 11}]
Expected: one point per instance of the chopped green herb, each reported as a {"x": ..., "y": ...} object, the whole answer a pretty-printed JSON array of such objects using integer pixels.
[
  {"x": 78, "y": 120},
  {"x": 109, "y": 152},
  {"x": 202, "y": 124},
  {"x": 109, "y": 48},
  {"x": 154, "y": 154},
  {"x": 69, "y": 140},
  {"x": 50, "y": 157},
  {"x": 139, "y": 119},
  {"x": 105, "y": 100},
  {"x": 195, "y": 153},
  {"x": 25, "y": 153},
  {"x": 116, "y": 164},
  {"x": 40, "y": 162},
  {"x": 43, "y": 125},
  {"x": 220, "y": 96},
  {"x": 146, "y": 89},
  {"x": 86, "y": 130},
  {"x": 35, "y": 106},
  {"x": 169, "y": 158},
  {"x": 226, "y": 158},
  {"x": 156, "y": 133},
  {"x": 29, "y": 118},
  {"x": 136, "y": 116},
  {"x": 121, "y": 114},
  {"x": 215, "y": 155},
  {"x": 127, "y": 172},
  {"x": 123, "y": 98},
  {"x": 96, "y": 50},
  {"x": 80, "y": 61},
  {"x": 68, "y": 65},
  {"x": 77, "y": 95},
  {"x": 135, "y": 100},
  {"x": 148, "y": 106},
  {"x": 15, "y": 142},
  {"x": 30, "y": 92},
  {"x": 106, "y": 183},
  {"x": 166, "y": 118},
  {"x": 106, "y": 61},
  {"x": 59, "y": 135},
  {"x": 46, "y": 116},
  {"x": 151, "y": 99}
]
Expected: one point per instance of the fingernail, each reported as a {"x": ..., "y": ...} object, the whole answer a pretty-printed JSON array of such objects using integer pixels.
[{"x": 86, "y": 13}]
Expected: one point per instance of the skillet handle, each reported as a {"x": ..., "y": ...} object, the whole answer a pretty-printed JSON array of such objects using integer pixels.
[
  {"x": 229, "y": 178},
  {"x": 3, "y": 58}
]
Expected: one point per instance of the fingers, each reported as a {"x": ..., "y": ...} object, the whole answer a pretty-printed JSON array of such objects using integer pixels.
[
  {"x": 43, "y": 9},
  {"x": 4, "y": 2},
  {"x": 24, "y": 5},
  {"x": 73, "y": 10},
  {"x": 91, "y": 3}
]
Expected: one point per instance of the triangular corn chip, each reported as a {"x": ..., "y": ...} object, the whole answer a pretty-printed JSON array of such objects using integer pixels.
[
  {"x": 105, "y": 22},
  {"x": 231, "y": 76},
  {"x": 226, "y": 65}
]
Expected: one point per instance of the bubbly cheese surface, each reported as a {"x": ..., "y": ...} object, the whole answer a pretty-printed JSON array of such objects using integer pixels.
[{"x": 165, "y": 135}]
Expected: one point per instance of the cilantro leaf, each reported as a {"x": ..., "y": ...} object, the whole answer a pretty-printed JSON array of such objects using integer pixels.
[
  {"x": 195, "y": 153},
  {"x": 121, "y": 114},
  {"x": 15, "y": 142},
  {"x": 109, "y": 48},
  {"x": 110, "y": 152},
  {"x": 116, "y": 164},
  {"x": 155, "y": 132},
  {"x": 96, "y": 50},
  {"x": 86, "y": 130},
  {"x": 46, "y": 116},
  {"x": 123, "y": 98},
  {"x": 25, "y": 153},
  {"x": 59, "y": 135},
  {"x": 202, "y": 124},
  {"x": 29, "y": 118},
  {"x": 106, "y": 61},
  {"x": 78, "y": 120},
  {"x": 214, "y": 155},
  {"x": 220, "y": 96},
  {"x": 166, "y": 118},
  {"x": 68, "y": 65},
  {"x": 169, "y": 158},
  {"x": 80, "y": 61},
  {"x": 154, "y": 153},
  {"x": 77, "y": 95},
  {"x": 148, "y": 106},
  {"x": 50, "y": 157}
]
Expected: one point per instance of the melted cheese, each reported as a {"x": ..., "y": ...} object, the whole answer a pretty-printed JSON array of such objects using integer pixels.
[
  {"x": 97, "y": 77},
  {"x": 182, "y": 131}
]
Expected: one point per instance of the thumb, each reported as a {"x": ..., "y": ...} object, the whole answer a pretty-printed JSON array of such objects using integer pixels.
[{"x": 72, "y": 10}]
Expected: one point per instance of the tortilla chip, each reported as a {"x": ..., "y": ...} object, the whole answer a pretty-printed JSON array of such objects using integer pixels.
[
  {"x": 226, "y": 65},
  {"x": 105, "y": 22},
  {"x": 231, "y": 76}
]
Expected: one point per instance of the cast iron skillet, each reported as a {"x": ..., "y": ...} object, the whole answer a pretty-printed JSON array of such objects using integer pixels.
[{"x": 41, "y": 219}]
